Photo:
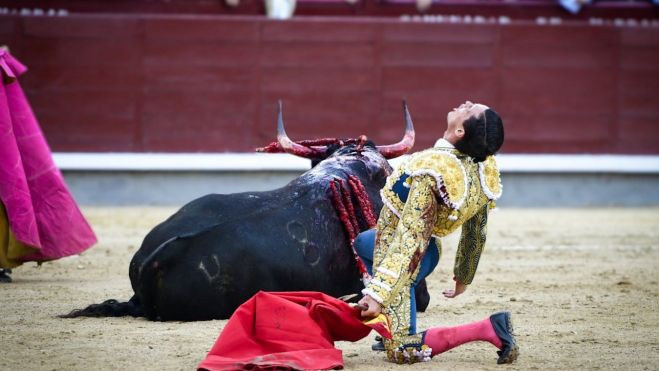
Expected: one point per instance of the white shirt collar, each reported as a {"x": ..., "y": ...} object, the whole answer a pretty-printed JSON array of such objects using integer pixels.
[{"x": 443, "y": 143}]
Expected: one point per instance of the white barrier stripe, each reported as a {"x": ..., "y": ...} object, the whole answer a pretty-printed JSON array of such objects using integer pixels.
[
  {"x": 181, "y": 162},
  {"x": 508, "y": 163},
  {"x": 520, "y": 163}
]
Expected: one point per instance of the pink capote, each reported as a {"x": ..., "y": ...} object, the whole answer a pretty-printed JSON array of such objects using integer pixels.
[{"x": 40, "y": 209}]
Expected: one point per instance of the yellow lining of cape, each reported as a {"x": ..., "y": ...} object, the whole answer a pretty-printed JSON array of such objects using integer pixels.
[{"x": 10, "y": 248}]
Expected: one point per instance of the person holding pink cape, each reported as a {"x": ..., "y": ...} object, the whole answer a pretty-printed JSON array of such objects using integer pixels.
[{"x": 39, "y": 220}]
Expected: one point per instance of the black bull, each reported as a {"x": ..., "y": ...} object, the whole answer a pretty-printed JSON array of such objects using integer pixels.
[{"x": 219, "y": 250}]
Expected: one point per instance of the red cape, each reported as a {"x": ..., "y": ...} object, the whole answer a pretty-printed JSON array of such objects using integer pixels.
[{"x": 288, "y": 330}]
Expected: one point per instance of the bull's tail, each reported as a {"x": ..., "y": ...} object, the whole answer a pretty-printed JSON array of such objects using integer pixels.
[{"x": 109, "y": 308}]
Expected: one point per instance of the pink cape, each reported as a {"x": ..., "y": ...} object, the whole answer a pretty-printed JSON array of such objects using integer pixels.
[
  {"x": 40, "y": 209},
  {"x": 288, "y": 331}
]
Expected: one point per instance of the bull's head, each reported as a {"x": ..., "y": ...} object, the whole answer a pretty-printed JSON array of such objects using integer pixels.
[{"x": 319, "y": 149}]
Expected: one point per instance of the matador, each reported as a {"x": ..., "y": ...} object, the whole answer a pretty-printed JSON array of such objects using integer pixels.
[{"x": 431, "y": 194}]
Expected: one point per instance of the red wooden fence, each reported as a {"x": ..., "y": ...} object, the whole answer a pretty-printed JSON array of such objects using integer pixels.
[{"x": 189, "y": 83}]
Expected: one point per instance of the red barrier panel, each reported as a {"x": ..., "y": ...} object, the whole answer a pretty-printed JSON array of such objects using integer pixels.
[
  {"x": 210, "y": 83},
  {"x": 517, "y": 9}
]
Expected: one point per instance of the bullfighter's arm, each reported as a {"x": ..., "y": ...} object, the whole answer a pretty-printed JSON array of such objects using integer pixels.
[
  {"x": 472, "y": 241},
  {"x": 401, "y": 257}
]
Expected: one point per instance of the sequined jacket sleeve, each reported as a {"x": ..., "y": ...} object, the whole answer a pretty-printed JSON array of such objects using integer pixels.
[
  {"x": 397, "y": 260},
  {"x": 472, "y": 241}
]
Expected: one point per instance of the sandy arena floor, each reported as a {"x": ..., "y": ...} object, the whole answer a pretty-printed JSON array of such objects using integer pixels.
[{"x": 583, "y": 287}]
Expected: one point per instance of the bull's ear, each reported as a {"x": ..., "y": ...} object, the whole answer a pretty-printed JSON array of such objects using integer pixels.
[{"x": 406, "y": 144}]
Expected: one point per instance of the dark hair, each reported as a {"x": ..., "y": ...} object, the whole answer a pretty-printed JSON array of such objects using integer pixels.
[{"x": 483, "y": 135}]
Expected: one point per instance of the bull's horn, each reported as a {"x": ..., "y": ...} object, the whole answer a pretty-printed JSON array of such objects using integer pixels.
[
  {"x": 402, "y": 147},
  {"x": 288, "y": 145}
]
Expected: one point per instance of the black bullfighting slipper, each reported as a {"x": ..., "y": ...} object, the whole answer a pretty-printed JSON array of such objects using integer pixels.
[
  {"x": 4, "y": 275},
  {"x": 378, "y": 346},
  {"x": 503, "y": 327}
]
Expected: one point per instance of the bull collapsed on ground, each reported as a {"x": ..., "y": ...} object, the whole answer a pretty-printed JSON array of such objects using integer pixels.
[{"x": 219, "y": 250}]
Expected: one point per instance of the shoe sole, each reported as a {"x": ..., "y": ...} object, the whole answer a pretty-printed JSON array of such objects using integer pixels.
[
  {"x": 514, "y": 351},
  {"x": 511, "y": 357}
]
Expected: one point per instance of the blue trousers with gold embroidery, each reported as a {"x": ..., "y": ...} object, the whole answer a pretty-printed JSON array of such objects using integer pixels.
[{"x": 365, "y": 245}]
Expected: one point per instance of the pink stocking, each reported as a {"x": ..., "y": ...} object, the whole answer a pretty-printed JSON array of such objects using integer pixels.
[{"x": 441, "y": 339}]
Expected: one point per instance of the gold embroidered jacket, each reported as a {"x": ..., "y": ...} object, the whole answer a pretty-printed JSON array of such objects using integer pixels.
[{"x": 446, "y": 190}]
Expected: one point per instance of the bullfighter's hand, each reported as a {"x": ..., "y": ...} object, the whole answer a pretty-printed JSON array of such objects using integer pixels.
[
  {"x": 459, "y": 289},
  {"x": 373, "y": 308}
]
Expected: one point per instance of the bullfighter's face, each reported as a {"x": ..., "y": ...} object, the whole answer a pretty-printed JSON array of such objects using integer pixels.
[{"x": 456, "y": 118}]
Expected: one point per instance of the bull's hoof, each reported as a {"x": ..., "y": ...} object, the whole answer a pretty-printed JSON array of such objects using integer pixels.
[
  {"x": 4, "y": 275},
  {"x": 422, "y": 296}
]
